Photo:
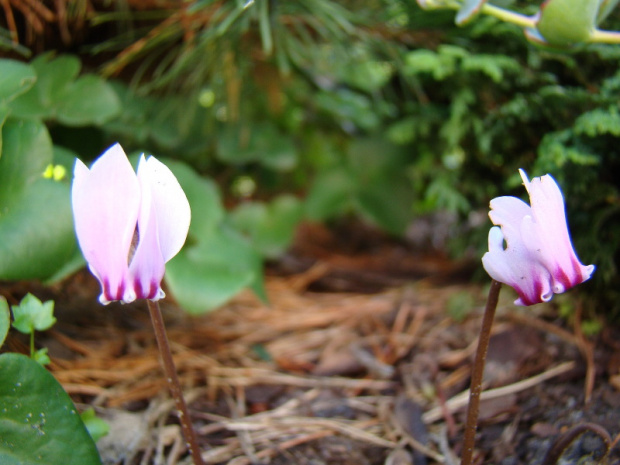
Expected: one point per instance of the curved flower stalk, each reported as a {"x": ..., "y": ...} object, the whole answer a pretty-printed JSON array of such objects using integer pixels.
[
  {"x": 559, "y": 24},
  {"x": 538, "y": 259},
  {"x": 128, "y": 225}
]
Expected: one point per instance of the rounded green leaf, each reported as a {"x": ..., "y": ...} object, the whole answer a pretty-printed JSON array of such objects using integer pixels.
[
  {"x": 38, "y": 421},
  {"x": 33, "y": 314},
  {"x": 88, "y": 100},
  {"x": 26, "y": 151},
  {"x": 37, "y": 232},
  {"x": 15, "y": 79},
  {"x": 203, "y": 196},
  {"x": 96, "y": 426},
  {"x": 270, "y": 226},
  {"x": 54, "y": 76},
  {"x": 204, "y": 276}
]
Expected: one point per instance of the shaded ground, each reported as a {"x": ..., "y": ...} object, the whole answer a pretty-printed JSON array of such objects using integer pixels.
[{"x": 361, "y": 358}]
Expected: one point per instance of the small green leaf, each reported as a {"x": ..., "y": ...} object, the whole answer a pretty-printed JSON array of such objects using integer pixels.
[
  {"x": 33, "y": 314},
  {"x": 5, "y": 319},
  {"x": 38, "y": 422},
  {"x": 97, "y": 428},
  {"x": 40, "y": 356}
]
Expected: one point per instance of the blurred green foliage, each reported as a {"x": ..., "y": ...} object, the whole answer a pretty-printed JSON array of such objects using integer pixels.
[{"x": 318, "y": 109}]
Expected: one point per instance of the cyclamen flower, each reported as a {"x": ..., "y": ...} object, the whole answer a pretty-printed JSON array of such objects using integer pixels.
[
  {"x": 128, "y": 226},
  {"x": 538, "y": 259}
]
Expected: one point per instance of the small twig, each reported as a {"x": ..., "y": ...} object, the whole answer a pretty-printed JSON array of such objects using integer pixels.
[
  {"x": 173, "y": 382},
  {"x": 460, "y": 400},
  {"x": 565, "y": 440},
  {"x": 10, "y": 19},
  {"x": 473, "y": 408},
  {"x": 588, "y": 353}
]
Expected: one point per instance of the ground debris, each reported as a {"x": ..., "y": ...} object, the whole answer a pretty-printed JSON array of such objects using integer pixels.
[{"x": 322, "y": 378}]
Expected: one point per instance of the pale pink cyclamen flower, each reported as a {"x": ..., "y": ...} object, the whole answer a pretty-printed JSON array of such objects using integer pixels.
[
  {"x": 128, "y": 226},
  {"x": 531, "y": 249}
]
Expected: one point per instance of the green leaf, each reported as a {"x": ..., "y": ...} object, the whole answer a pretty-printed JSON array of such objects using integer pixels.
[
  {"x": 262, "y": 143},
  {"x": 36, "y": 222},
  {"x": 270, "y": 226},
  {"x": 388, "y": 203},
  {"x": 26, "y": 151},
  {"x": 439, "y": 65},
  {"x": 97, "y": 428},
  {"x": 37, "y": 232},
  {"x": 15, "y": 79},
  {"x": 204, "y": 199},
  {"x": 493, "y": 66},
  {"x": 330, "y": 194},
  {"x": 38, "y": 421},
  {"x": 40, "y": 356},
  {"x": 55, "y": 76},
  {"x": 5, "y": 319},
  {"x": 599, "y": 122},
  {"x": 348, "y": 106},
  {"x": 33, "y": 314},
  {"x": 368, "y": 75},
  {"x": 206, "y": 275},
  {"x": 57, "y": 94},
  {"x": 88, "y": 100}
]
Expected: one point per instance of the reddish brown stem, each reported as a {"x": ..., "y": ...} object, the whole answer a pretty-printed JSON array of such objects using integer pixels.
[
  {"x": 173, "y": 382},
  {"x": 477, "y": 372}
]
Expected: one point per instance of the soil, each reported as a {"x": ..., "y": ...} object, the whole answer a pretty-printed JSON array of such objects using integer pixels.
[{"x": 362, "y": 357}]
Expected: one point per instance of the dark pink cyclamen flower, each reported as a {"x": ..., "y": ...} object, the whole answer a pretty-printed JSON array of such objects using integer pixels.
[
  {"x": 530, "y": 249},
  {"x": 128, "y": 226}
]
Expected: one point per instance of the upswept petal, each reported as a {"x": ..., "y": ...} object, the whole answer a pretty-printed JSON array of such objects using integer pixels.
[
  {"x": 547, "y": 233},
  {"x": 106, "y": 202},
  {"x": 508, "y": 212},
  {"x": 515, "y": 267},
  {"x": 171, "y": 206},
  {"x": 147, "y": 266}
]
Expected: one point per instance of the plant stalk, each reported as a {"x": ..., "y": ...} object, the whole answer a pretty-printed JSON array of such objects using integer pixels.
[
  {"x": 173, "y": 382},
  {"x": 477, "y": 373}
]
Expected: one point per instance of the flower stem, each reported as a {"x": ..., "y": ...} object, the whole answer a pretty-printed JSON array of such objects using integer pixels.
[
  {"x": 477, "y": 372},
  {"x": 509, "y": 16},
  {"x": 173, "y": 382}
]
